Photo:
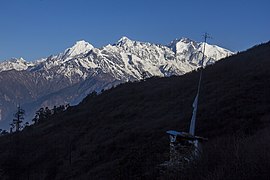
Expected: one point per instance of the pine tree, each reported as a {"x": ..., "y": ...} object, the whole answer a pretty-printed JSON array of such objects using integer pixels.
[{"x": 18, "y": 118}]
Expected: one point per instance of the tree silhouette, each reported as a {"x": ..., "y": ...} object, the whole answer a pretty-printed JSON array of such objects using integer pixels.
[
  {"x": 40, "y": 115},
  {"x": 47, "y": 113},
  {"x": 35, "y": 119},
  {"x": 18, "y": 119}
]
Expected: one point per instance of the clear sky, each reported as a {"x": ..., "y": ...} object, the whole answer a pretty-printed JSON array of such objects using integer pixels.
[{"x": 34, "y": 29}]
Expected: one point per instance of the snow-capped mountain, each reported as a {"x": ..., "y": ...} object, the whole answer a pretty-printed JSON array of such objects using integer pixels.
[
  {"x": 15, "y": 64},
  {"x": 69, "y": 76},
  {"x": 80, "y": 47},
  {"x": 124, "y": 60},
  {"x": 191, "y": 50}
]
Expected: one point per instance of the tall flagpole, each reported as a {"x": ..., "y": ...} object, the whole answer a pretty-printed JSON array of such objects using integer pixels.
[{"x": 195, "y": 103}]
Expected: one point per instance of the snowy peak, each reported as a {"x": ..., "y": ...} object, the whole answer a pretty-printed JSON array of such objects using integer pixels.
[
  {"x": 187, "y": 49},
  {"x": 182, "y": 45},
  {"x": 14, "y": 64},
  {"x": 214, "y": 51},
  {"x": 17, "y": 60},
  {"x": 124, "y": 41},
  {"x": 80, "y": 47}
]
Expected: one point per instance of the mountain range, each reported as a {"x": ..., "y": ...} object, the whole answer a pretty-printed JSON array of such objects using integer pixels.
[
  {"x": 71, "y": 75},
  {"x": 121, "y": 132}
]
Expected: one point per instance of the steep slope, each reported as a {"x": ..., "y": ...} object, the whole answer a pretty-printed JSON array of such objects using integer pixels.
[
  {"x": 120, "y": 134},
  {"x": 69, "y": 76}
]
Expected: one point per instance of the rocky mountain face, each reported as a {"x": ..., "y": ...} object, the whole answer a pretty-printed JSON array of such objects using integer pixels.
[{"x": 69, "y": 76}]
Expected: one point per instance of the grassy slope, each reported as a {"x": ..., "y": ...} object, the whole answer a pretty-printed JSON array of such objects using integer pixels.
[{"x": 121, "y": 133}]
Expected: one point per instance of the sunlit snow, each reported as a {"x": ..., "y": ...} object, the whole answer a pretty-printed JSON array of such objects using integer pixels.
[{"x": 125, "y": 60}]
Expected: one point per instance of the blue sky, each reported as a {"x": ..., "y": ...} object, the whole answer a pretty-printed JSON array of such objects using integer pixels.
[{"x": 34, "y": 29}]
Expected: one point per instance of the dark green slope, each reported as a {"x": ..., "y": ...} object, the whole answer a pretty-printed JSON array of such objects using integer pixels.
[{"x": 120, "y": 134}]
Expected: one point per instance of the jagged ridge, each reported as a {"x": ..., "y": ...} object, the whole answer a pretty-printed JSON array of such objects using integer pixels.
[{"x": 124, "y": 60}]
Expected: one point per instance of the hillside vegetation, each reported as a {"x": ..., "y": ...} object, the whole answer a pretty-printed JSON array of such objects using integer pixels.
[{"x": 120, "y": 134}]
